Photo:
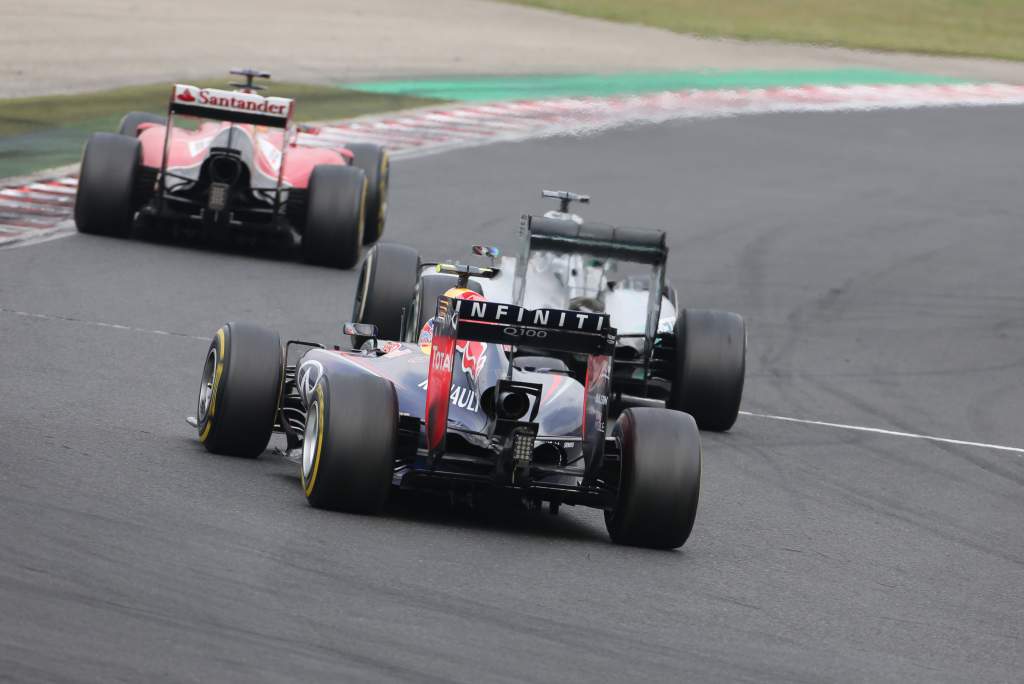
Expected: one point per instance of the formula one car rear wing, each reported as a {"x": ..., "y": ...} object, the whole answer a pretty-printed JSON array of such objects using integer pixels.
[
  {"x": 231, "y": 105},
  {"x": 549, "y": 329},
  {"x": 637, "y": 245},
  {"x": 599, "y": 240},
  {"x": 510, "y": 325}
]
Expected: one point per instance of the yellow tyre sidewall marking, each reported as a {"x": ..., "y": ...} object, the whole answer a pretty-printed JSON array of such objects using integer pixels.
[
  {"x": 216, "y": 386},
  {"x": 319, "y": 439}
]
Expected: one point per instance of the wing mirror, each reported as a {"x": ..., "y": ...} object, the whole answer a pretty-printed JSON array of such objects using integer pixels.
[
  {"x": 360, "y": 333},
  {"x": 361, "y": 329},
  {"x": 493, "y": 253}
]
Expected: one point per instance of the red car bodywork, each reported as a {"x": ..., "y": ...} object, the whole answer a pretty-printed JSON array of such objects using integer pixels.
[{"x": 187, "y": 150}]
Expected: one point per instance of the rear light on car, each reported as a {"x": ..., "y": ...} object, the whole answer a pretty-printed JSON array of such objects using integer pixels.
[
  {"x": 522, "y": 447},
  {"x": 218, "y": 197},
  {"x": 523, "y": 440}
]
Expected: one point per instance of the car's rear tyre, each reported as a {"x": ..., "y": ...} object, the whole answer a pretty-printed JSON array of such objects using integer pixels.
[
  {"x": 374, "y": 161},
  {"x": 130, "y": 122},
  {"x": 432, "y": 286},
  {"x": 240, "y": 390},
  {"x": 387, "y": 285},
  {"x": 335, "y": 212},
  {"x": 659, "y": 486},
  {"x": 711, "y": 352},
  {"x": 349, "y": 444},
  {"x": 107, "y": 184}
]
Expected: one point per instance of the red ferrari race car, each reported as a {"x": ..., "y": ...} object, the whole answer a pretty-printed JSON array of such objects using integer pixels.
[{"x": 242, "y": 168}]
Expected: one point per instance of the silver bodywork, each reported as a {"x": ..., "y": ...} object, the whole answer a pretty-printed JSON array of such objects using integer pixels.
[
  {"x": 561, "y": 281},
  {"x": 574, "y": 281}
]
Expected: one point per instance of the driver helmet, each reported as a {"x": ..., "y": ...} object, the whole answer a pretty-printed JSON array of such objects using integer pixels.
[{"x": 427, "y": 331}]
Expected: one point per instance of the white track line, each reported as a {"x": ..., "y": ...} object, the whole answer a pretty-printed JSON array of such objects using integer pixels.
[
  {"x": 102, "y": 324},
  {"x": 889, "y": 433}
]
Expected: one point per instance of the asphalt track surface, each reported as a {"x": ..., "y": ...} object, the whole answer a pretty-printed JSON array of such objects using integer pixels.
[{"x": 877, "y": 260}]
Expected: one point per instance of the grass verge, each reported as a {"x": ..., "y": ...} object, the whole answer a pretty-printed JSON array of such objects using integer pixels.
[
  {"x": 42, "y": 132},
  {"x": 483, "y": 88},
  {"x": 982, "y": 28}
]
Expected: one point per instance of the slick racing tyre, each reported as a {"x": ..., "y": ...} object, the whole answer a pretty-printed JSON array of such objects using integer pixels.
[
  {"x": 432, "y": 286},
  {"x": 711, "y": 352},
  {"x": 387, "y": 285},
  {"x": 335, "y": 213},
  {"x": 659, "y": 485},
  {"x": 348, "y": 447},
  {"x": 130, "y": 122},
  {"x": 240, "y": 390},
  {"x": 373, "y": 160},
  {"x": 107, "y": 184}
]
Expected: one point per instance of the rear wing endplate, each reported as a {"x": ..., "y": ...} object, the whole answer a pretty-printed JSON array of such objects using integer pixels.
[{"x": 231, "y": 105}]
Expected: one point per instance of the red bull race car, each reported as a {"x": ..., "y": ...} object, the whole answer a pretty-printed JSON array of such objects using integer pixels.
[
  {"x": 458, "y": 411},
  {"x": 242, "y": 168}
]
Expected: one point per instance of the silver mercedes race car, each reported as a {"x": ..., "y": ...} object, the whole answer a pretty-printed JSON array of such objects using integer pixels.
[{"x": 690, "y": 360}]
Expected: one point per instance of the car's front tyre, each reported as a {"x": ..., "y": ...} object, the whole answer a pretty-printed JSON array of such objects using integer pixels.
[
  {"x": 348, "y": 448},
  {"x": 386, "y": 287},
  {"x": 240, "y": 390}
]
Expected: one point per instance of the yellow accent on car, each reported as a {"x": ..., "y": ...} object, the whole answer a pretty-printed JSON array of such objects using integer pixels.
[
  {"x": 220, "y": 369},
  {"x": 216, "y": 384},
  {"x": 319, "y": 439}
]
